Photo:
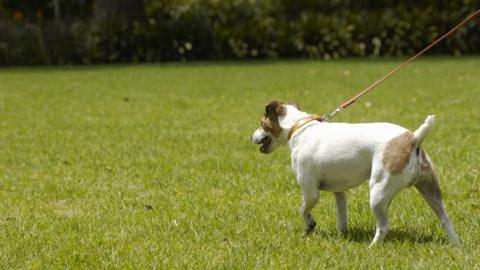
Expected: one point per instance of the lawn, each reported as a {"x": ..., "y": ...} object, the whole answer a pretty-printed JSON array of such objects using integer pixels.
[{"x": 134, "y": 167}]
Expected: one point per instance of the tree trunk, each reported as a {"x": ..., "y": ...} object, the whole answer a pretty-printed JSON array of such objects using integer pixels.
[{"x": 119, "y": 9}]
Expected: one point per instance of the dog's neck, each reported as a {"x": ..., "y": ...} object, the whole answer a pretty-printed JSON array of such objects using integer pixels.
[
  {"x": 290, "y": 119},
  {"x": 299, "y": 124}
]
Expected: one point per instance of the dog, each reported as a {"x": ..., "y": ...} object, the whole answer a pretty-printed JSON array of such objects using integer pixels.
[{"x": 336, "y": 157}]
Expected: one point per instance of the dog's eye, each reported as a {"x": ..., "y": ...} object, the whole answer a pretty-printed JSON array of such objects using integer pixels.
[{"x": 266, "y": 125}]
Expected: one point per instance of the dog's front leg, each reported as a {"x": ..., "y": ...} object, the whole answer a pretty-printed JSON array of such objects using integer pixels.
[
  {"x": 310, "y": 194},
  {"x": 341, "y": 213}
]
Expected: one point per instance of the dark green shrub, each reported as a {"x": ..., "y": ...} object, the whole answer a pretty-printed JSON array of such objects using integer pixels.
[
  {"x": 240, "y": 29},
  {"x": 21, "y": 43}
]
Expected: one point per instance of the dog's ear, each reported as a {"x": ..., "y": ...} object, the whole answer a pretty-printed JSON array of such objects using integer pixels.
[{"x": 273, "y": 110}]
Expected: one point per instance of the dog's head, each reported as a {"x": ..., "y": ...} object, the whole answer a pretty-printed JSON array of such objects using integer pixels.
[{"x": 275, "y": 125}]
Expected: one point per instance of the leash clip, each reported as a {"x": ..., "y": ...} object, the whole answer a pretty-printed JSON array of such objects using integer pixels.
[{"x": 325, "y": 117}]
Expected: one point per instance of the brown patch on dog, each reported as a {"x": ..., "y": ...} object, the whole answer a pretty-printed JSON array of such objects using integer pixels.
[
  {"x": 269, "y": 121},
  {"x": 397, "y": 152},
  {"x": 424, "y": 163}
]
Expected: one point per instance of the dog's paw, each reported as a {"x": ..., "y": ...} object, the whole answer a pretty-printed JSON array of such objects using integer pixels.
[
  {"x": 310, "y": 226},
  {"x": 343, "y": 233}
]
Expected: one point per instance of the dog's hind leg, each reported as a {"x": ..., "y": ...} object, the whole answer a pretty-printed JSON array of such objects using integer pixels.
[
  {"x": 341, "y": 212},
  {"x": 379, "y": 203},
  {"x": 427, "y": 185},
  {"x": 383, "y": 187},
  {"x": 310, "y": 194}
]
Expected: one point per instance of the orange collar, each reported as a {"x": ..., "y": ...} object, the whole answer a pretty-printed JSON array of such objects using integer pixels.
[{"x": 302, "y": 122}]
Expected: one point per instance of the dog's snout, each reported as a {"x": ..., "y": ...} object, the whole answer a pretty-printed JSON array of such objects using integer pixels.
[
  {"x": 259, "y": 136},
  {"x": 257, "y": 140}
]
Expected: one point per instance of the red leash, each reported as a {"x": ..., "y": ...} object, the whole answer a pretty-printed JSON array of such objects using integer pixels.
[{"x": 371, "y": 86}]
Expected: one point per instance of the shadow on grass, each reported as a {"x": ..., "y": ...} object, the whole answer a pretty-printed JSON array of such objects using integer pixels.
[{"x": 365, "y": 235}]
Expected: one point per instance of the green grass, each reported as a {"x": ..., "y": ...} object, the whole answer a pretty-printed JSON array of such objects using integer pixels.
[{"x": 152, "y": 167}]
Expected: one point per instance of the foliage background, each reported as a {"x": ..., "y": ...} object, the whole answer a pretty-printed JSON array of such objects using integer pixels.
[{"x": 232, "y": 29}]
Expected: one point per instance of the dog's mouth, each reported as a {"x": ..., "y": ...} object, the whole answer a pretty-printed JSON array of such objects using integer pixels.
[{"x": 265, "y": 144}]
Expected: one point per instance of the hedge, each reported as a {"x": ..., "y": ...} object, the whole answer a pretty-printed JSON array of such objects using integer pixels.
[{"x": 245, "y": 29}]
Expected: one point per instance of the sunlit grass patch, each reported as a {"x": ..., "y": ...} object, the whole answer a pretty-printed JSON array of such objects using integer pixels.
[{"x": 152, "y": 167}]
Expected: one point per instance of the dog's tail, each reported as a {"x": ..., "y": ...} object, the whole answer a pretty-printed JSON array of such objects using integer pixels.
[{"x": 422, "y": 131}]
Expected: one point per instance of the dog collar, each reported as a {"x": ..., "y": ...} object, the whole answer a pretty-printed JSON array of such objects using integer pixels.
[{"x": 302, "y": 122}]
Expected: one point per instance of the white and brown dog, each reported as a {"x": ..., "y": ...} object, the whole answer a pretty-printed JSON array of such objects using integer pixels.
[{"x": 336, "y": 157}]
